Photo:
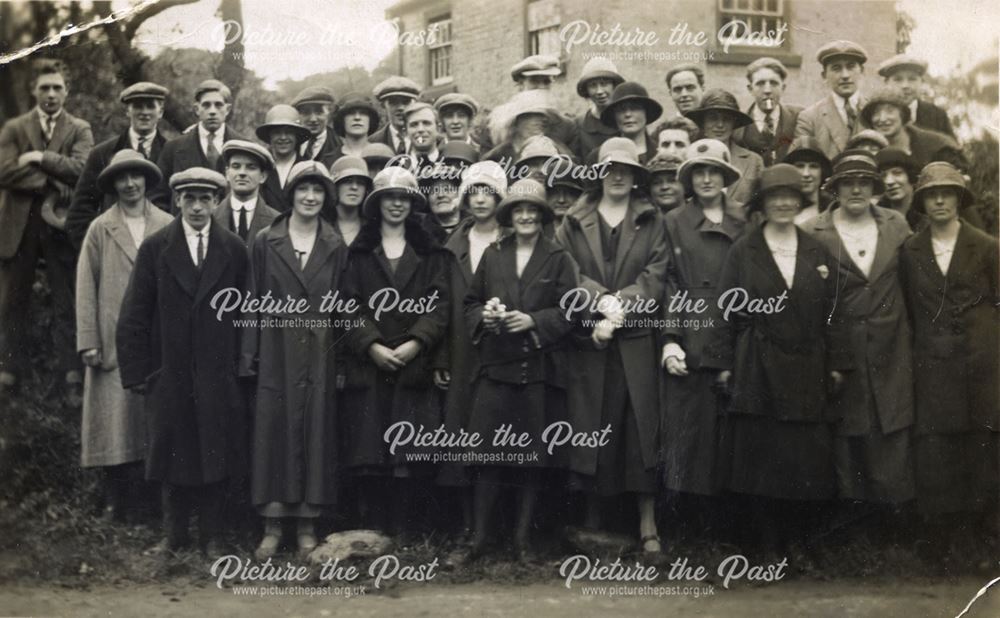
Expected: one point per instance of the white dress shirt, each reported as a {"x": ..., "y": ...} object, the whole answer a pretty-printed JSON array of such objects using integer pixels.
[
  {"x": 842, "y": 110},
  {"x": 913, "y": 111},
  {"x": 943, "y": 251},
  {"x": 217, "y": 140},
  {"x": 133, "y": 140},
  {"x": 191, "y": 235},
  {"x": 41, "y": 121},
  {"x": 397, "y": 136},
  {"x": 236, "y": 205},
  {"x": 759, "y": 116}
]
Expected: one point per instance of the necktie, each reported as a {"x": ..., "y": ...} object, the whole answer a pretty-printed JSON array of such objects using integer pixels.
[
  {"x": 142, "y": 147},
  {"x": 769, "y": 137},
  {"x": 201, "y": 250},
  {"x": 50, "y": 125},
  {"x": 301, "y": 256},
  {"x": 311, "y": 148},
  {"x": 212, "y": 154},
  {"x": 852, "y": 114},
  {"x": 401, "y": 145},
  {"x": 242, "y": 229}
]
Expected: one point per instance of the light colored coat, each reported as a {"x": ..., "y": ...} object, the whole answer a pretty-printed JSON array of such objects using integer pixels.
[
  {"x": 112, "y": 428},
  {"x": 822, "y": 120}
]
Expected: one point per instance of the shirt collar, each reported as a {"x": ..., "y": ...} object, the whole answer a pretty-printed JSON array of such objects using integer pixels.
[
  {"x": 236, "y": 204},
  {"x": 42, "y": 115},
  {"x": 133, "y": 137},
  {"x": 760, "y": 115},
  {"x": 203, "y": 132},
  {"x": 839, "y": 101},
  {"x": 190, "y": 231},
  {"x": 913, "y": 110}
]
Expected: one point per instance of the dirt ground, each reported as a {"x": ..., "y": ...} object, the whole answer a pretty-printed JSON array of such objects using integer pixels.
[{"x": 814, "y": 599}]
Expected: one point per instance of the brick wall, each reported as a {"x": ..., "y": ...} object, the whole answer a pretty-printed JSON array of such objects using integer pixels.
[{"x": 490, "y": 36}]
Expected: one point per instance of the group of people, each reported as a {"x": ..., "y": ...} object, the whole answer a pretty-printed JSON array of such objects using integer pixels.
[{"x": 754, "y": 312}]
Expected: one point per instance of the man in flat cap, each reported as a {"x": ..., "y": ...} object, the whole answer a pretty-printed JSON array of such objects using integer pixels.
[
  {"x": 315, "y": 104},
  {"x": 906, "y": 74},
  {"x": 394, "y": 94},
  {"x": 457, "y": 112},
  {"x": 201, "y": 147},
  {"x": 42, "y": 153},
  {"x": 886, "y": 112},
  {"x": 422, "y": 130},
  {"x": 243, "y": 211},
  {"x": 597, "y": 82},
  {"x": 535, "y": 72},
  {"x": 178, "y": 350},
  {"x": 143, "y": 103},
  {"x": 836, "y": 117},
  {"x": 773, "y": 128},
  {"x": 686, "y": 83}
]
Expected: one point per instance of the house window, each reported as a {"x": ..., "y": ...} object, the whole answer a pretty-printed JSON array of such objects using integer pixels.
[
  {"x": 543, "y": 28},
  {"x": 753, "y": 24},
  {"x": 439, "y": 43}
]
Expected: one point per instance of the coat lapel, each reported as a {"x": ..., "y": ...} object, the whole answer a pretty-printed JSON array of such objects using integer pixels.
[
  {"x": 60, "y": 132},
  {"x": 178, "y": 259},
  {"x": 835, "y": 124},
  {"x": 119, "y": 230},
  {"x": 592, "y": 234},
  {"x": 216, "y": 260},
  {"x": 282, "y": 245},
  {"x": 508, "y": 274},
  {"x": 539, "y": 256},
  {"x": 884, "y": 253},
  {"x": 408, "y": 264},
  {"x": 223, "y": 214},
  {"x": 326, "y": 243}
]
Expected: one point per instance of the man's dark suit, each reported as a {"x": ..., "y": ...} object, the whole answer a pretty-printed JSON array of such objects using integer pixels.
[
  {"x": 180, "y": 154},
  {"x": 932, "y": 117},
  {"x": 263, "y": 215},
  {"x": 775, "y": 148},
  {"x": 88, "y": 200}
]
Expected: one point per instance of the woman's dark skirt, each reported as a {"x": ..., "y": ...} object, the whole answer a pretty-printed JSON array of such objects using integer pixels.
[
  {"x": 691, "y": 433},
  {"x": 957, "y": 472},
  {"x": 522, "y": 409},
  {"x": 875, "y": 467}
]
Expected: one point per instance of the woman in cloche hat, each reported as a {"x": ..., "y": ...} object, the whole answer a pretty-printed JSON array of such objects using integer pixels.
[
  {"x": 294, "y": 452},
  {"x": 398, "y": 279},
  {"x": 521, "y": 341},
  {"x": 949, "y": 272},
  {"x": 113, "y": 432},
  {"x": 616, "y": 236},
  {"x": 283, "y": 133},
  {"x": 699, "y": 235},
  {"x": 777, "y": 356}
]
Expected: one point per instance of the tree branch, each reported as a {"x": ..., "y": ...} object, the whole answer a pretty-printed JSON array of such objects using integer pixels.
[{"x": 150, "y": 11}]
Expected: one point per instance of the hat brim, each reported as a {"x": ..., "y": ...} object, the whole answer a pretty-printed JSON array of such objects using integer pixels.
[
  {"x": 467, "y": 107},
  {"x": 869, "y": 110},
  {"x": 642, "y": 176},
  {"x": 136, "y": 97},
  {"x": 353, "y": 174},
  {"x": 298, "y": 104},
  {"x": 338, "y": 119},
  {"x": 698, "y": 115},
  {"x": 653, "y": 109},
  {"x": 397, "y": 93},
  {"x": 227, "y": 153},
  {"x": 106, "y": 179},
  {"x": 581, "y": 84},
  {"x": 756, "y": 201},
  {"x": 808, "y": 154},
  {"x": 965, "y": 196},
  {"x": 905, "y": 66},
  {"x": 506, "y": 209},
  {"x": 729, "y": 173},
  {"x": 553, "y": 72},
  {"x": 830, "y": 186},
  {"x": 263, "y": 132},
  {"x": 861, "y": 58},
  {"x": 372, "y": 202}
]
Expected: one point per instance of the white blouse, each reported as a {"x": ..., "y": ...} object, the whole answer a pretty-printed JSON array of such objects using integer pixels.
[
  {"x": 478, "y": 244},
  {"x": 943, "y": 250},
  {"x": 784, "y": 256},
  {"x": 860, "y": 242}
]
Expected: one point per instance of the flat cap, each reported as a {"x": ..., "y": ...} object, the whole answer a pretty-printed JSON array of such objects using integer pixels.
[
  {"x": 213, "y": 85},
  {"x": 198, "y": 178},
  {"x": 539, "y": 64},
  {"x": 416, "y": 106},
  {"x": 143, "y": 90},
  {"x": 251, "y": 148},
  {"x": 314, "y": 94},
  {"x": 900, "y": 62},
  {"x": 767, "y": 63},
  {"x": 396, "y": 86},
  {"x": 841, "y": 48},
  {"x": 457, "y": 98}
]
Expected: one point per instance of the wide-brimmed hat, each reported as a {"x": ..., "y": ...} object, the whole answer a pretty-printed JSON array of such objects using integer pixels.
[
  {"x": 622, "y": 151},
  {"x": 457, "y": 99},
  {"x": 941, "y": 174},
  {"x": 854, "y": 164},
  {"x": 897, "y": 157},
  {"x": 377, "y": 152},
  {"x": 867, "y": 135},
  {"x": 354, "y": 101},
  {"x": 536, "y": 147},
  {"x": 778, "y": 176},
  {"x": 257, "y": 151},
  {"x": 900, "y": 62},
  {"x": 487, "y": 173},
  {"x": 128, "y": 160},
  {"x": 349, "y": 166},
  {"x": 708, "y": 152},
  {"x": 716, "y": 99},
  {"x": 808, "y": 148},
  {"x": 529, "y": 191},
  {"x": 882, "y": 96},
  {"x": 309, "y": 170},
  {"x": 834, "y": 49},
  {"x": 539, "y": 64},
  {"x": 598, "y": 67},
  {"x": 631, "y": 92},
  {"x": 282, "y": 116},
  {"x": 394, "y": 180}
]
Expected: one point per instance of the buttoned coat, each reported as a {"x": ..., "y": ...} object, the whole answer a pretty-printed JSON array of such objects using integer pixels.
[
  {"x": 822, "y": 121},
  {"x": 171, "y": 339},
  {"x": 23, "y": 187},
  {"x": 638, "y": 272},
  {"x": 374, "y": 399},
  {"x": 873, "y": 312},
  {"x": 112, "y": 425},
  {"x": 263, "y": 216},
  {"x": 295, "y": 438},
  {"x": 955, "y": 321},
  {"x": 88, "y": 199}
]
